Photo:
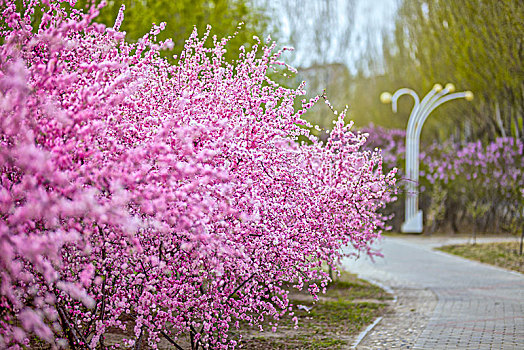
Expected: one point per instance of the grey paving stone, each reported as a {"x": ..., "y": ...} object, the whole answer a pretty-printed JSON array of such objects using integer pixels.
[{"x": 459, "y": 303}]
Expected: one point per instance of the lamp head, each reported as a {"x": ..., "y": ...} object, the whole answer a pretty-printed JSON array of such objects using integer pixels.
[
  {"x": 468, "y": 96},
  {"x": 437, "y": 87},
  {"x": 450, "y": 87},
  {"x": 385, "y": 97}
]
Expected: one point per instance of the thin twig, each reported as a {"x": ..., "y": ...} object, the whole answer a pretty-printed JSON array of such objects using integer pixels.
[
  {"x": 192, "y": 336},
  {"x": 240, "y": 286},
  {"x": 171, "y": 340},
  {"x": 272, "y": 177}
]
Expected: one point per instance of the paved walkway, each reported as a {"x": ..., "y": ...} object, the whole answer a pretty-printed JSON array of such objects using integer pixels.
[{"x": 444, "y": 301}]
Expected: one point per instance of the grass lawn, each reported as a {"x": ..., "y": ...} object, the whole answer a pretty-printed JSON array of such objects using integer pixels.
[
  {"x": 505, "y": 254},
  {"x": 349, "y": 305}
]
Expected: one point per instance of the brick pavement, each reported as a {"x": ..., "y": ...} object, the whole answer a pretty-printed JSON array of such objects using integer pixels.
[
  {"x": 403, "y": 324},
  {"x": 477, "y": 307},
  {"x": 473, "y": 318}
]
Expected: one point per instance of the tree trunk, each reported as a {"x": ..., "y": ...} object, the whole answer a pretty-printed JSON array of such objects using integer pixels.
[
  {"x": 499, "y": 120},
  {"x": 521, "y": 241}
]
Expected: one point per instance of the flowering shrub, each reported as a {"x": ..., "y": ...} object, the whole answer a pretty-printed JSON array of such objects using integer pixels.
[
  {"x": 469, "y": 183},
  {"x": 166, "y": 201},
  {"x": 484, "y": 179},
  {"x": 391, "y": 142}
]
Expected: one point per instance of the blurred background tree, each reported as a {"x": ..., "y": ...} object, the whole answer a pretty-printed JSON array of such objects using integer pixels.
[
  {"x": 182, "y": 16},
  {"x": 321, "y": 33},
  {"x": 476, "y": 44}
]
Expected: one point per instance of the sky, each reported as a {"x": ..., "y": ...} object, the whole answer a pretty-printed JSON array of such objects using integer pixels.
[
  {"x": 373, "y": 17},
  {"x": 329, "y": 31}
]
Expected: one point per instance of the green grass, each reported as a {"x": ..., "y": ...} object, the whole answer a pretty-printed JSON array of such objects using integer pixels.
[
  {"x": 349, "y": 305},
  {"x": 504, "y": 255},
  {"x": 399, "y": 234},
  {"x": 357, "y": 289}
]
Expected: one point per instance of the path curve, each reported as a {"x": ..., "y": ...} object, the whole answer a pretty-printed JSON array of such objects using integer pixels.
[{"x": 455, "y": 303}]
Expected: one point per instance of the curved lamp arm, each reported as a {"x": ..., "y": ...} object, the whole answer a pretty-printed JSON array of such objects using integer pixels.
[
  {"x": 386, "y": 97},
  {"x": 420, "y": 112},
  {"x": 468, "y": 95}
]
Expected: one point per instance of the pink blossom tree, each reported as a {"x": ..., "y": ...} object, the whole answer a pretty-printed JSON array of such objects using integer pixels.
[{"x": 167, "y": 201}]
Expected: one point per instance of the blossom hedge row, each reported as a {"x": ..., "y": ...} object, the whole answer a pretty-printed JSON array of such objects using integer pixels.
[{"x": 159, "y": 200}]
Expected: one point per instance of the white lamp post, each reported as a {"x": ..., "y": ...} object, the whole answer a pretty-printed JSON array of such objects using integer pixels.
[{"x": 419, "y": 114}]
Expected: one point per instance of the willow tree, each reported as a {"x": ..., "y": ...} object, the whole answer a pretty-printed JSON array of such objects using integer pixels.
[
  {"x": 478, "y": 45},
  {"x": 181, "y": 16}
]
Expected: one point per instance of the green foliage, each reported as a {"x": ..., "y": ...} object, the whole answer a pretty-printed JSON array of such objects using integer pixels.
[
  {"x": 456, "y": 41},
  {"x": 358, "y": 289},
  {"x": 365, "y": 106},
  {"x": 449, "y": 41},
  {"x": 182, "y": 16}
]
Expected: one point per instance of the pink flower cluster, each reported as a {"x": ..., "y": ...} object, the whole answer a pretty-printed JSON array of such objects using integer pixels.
[
  {"x": 167, "y": 201},
  {"x": 494, "y": 171},
  {"x": 391, "y": 142}
]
